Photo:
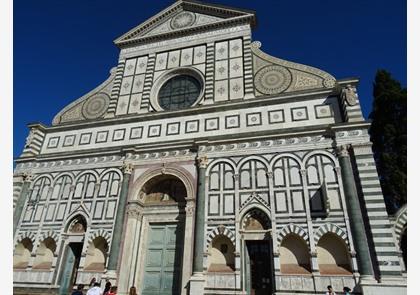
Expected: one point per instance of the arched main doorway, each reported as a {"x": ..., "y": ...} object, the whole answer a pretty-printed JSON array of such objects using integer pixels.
[
  {"x": 164, "y": 200},
  {"x": 75, "y": 232},
  {"x": 258, "y": 253}
]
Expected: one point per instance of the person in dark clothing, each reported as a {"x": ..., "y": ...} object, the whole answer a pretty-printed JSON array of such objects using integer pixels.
[{"x": 79, "y": 290}]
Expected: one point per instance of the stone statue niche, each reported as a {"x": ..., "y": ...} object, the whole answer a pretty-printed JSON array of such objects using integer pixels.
[{"x": 165, "y": 189}]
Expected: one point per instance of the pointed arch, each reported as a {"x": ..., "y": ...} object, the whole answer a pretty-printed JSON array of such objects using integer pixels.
[{"x": 292, "y": 229}]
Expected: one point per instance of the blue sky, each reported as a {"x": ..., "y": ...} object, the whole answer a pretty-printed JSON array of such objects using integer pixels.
[{"x": 63, "y": 49}]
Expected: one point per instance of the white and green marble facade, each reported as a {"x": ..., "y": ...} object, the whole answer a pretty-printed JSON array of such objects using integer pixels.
[{"x": 265, "y": 134}]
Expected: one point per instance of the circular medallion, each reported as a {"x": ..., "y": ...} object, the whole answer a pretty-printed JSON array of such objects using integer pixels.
[
  {"x": 95, "y": 106},
  {"x": 272, "y": 79},
  {"x": 182, "y": 20}
]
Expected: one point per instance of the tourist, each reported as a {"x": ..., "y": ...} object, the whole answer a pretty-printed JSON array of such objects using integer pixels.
[
  {"x": 330, "y": 291},
  {"x": 79, "y": 290},
  {"x": 113, "y": 290},
  {"x": 133, "y": 291},
  {"x": 95, "y": 290},
  {"x": 346, "y": 291},
  {"x": 107, "y": 287},
  {"x": 92, "y": 282}
]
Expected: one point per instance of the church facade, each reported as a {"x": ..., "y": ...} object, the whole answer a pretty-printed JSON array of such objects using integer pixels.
[{"x": 203, "y": 165}]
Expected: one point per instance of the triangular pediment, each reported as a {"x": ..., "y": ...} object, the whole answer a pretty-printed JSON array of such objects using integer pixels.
[{"x": 182, "y": 17}]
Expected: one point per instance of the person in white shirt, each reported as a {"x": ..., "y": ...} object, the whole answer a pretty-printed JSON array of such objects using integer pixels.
[
  {"x": 329, "y": 292},
  {"x": 95, "y": 290}
]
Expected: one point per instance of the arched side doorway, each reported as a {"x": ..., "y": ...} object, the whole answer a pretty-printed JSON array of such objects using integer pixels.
[
  {"x": 158, "y": 242},
  {"x": 75, "y": 233},
  {"x": 258, "y": 274}
]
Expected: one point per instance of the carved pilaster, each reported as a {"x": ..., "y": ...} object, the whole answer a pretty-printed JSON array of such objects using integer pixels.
[
  {"x": 190, "y": 209},
  {"x": 302, "y": 172},
  {"x": 270, "y": 175},
  {"x": 134, "y": 211},
  {"x": 236, "y": 177}
]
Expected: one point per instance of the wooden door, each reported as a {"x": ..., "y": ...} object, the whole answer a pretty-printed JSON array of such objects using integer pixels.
[{"x": 163, "y": 265}]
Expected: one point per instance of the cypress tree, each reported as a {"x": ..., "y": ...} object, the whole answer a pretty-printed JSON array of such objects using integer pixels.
[{"x": 389, "y": 136}]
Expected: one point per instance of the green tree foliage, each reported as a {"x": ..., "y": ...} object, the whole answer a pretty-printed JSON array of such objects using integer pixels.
[{"x": 389, "y": 136}]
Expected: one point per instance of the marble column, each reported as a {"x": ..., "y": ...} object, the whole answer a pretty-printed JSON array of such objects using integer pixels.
[
  {"x": 355, "y": 214},
  {"x": 197, "y": 280},
  {"x": 119, "y": 220},
  {"x": 20, "y": 203}
]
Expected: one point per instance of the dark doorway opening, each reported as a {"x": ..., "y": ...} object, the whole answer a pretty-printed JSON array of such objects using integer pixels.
[
  {"x": 261, "y": 267},
  {"x": 71, "y": 262}
]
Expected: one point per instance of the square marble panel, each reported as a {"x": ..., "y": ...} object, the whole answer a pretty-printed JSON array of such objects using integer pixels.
[
  {"x": 122, "y": 105},
  {"x": 221, "y": 70},
  {"x": 138, "y": 83},
  {"x": 221, "y": 50},
  {"x": 154, "y": 131},
  {"x": 126, "y": 85},
  {"x": 199, "y": 54},
  {"x": 69, "y": 140},
  {"x": 323, "y": 111},
  {"x": 236, "y": 88},
  {"x": 136, "y": 132},
  {"x": 85, "y": 138},
  {"x": 101, "y": 136},
  {"x": 130, "y": 67},
  {"x": 253, "y": 119},
  {"x": 135, "y": 101},
  {"x": 53, "y": 142},
  {"x": 172, "y": 128},
  {"x": 235, "y": 68},
  {"x": 161, "y": 59},
  {"x": 173, "y": 59},
  {"x": 187, "y": 56},
  {"x": 192, "y": 126},
  {"x": 232, "y": 121},
  {"x": 211, "y": 124},
  {"x": 221, "y": 90},
  {"x": 118, "y": 134},
  {"x": 299, "y": 114},
  {"x": 276, "y": 116},
  {"x": 141, "y": 65},
  {"x": 235, "y": 48}
]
